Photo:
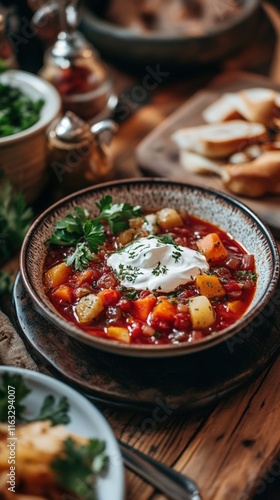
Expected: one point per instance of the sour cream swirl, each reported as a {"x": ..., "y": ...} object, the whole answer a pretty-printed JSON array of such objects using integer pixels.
[{"x": 155, "y": 263}]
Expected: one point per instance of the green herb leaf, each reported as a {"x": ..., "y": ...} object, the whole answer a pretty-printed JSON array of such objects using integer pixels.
[
  {"x": 118, "y": 214},
  {"x": 18, "y": 111},
  {"x": 80, "y": 257},
  {"x": 57, "y": 413},
  {"x": 5, "y": 283},
  {"x": 70, "y": 230},
  {"x": 80, "y": 466},
  {"x": 94, "y": 234},
  {"x": 15, "y": 219},
  {"x": 15, "y": 382}
]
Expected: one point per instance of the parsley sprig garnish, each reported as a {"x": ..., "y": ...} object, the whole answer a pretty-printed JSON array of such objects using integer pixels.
[
  {"x": 80, "y": 258},
  {"x": 81, "y": 465},
  {"x": 77, "y": 227},
  {"x": 88, "y": 235},
  {"x": 116, "y": 215}
]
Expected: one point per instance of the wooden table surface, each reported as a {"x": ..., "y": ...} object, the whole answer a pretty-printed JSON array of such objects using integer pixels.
[{"x": 230, "y": 448}]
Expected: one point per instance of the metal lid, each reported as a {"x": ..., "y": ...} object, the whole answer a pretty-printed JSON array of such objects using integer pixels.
[{"x": 71, "y": 129}]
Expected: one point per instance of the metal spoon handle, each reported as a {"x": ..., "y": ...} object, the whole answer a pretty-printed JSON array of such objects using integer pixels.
[{"x": 173, "y": 484}]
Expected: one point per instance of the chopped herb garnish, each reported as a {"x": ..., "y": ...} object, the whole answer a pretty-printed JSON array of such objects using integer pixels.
[
  {"x": 80, "y": 257},
  {"x": 252, "y": 275},
  {"x": 159, "y": 269},
  {"x": 18, "y": 111},
  {"x": 128, "y": 273}
]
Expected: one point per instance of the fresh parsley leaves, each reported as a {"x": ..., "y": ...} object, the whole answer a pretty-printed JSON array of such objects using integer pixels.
[
  {"x": 116, "y": 215},
  {"x": 15, "y": 219},
  {"x": 77, "y": 229},
  {"x": 81, "y": 465},
  {"x": 56, "y": 412}
]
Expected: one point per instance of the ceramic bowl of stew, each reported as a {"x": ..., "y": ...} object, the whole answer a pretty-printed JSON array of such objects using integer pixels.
[{"x": 149, "y": 267}]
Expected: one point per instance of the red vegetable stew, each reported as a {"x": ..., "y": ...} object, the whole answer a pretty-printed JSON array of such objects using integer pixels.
[{"x": 121, "y": 275}]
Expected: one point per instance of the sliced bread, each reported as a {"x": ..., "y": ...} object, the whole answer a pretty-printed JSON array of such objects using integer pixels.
[
  {"x": 254, "y": 105},
  {"x": 223, "y": 109},
  {"x": 256, "y": 178},
  {"x": 219, "y": 140},
  {"x": 198, "y": 164},
  {"x": 257, "y": 105}
]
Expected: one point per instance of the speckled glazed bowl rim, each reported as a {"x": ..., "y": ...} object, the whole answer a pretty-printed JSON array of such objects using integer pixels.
[
  {"x": 103, "y": 26},
  {"x": 243, "y": 215},
  {"x": 28, "y": 83}
]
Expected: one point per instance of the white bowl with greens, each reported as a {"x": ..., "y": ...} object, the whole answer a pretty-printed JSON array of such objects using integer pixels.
[{"x": 28, "y": 105}]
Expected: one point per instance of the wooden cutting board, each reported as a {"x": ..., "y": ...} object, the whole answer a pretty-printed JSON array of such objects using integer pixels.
[{"x": 158, "y": 155}]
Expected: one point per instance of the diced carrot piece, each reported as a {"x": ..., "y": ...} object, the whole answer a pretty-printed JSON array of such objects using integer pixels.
[
  {"x": 235, "y": 305},
  {"x": 63, "y": 293},
  {"x": 165, "y": 310},
  {"x": 110, "y": 296},
  {"x": 143, "y": 307},
  {"x": 119, "y": 333},
  {"x": 212, "y": 247},
  {"x": 210, "y": 286},
  {"x": 57, "y": 275}
]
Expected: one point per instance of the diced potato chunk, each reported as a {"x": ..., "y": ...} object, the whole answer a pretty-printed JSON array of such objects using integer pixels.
[
  {"x": 126, "y": 236},
  {"x": 57, "y": 275},
  {"x": 150, "y": 224},
  {"x": 119, "y": 333},
  {"x": 89, "y": 307},
  {"x": 201, "y": 311},
  {"x": 167, "y": 218}
]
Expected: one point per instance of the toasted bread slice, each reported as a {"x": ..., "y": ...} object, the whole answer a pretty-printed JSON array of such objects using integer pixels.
[
  {"x": 254, "y": 105},
  {"x": 198, "y": 164},
  {"x": 257, "y": 105},
  {"x": 219, "y": 140},
  {"x": 256, "y": 178},
  {"x": 223, "y": 109}
]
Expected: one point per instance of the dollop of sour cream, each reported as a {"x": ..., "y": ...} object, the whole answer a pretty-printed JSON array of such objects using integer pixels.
[{"x": 155, "y": 263}]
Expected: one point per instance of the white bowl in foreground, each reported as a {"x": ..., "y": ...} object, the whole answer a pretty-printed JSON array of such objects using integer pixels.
[{"x": 86, "y": 421}]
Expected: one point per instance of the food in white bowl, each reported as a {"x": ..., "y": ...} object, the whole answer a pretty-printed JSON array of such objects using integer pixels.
[
  {"x": 97, "y": 293},
  {"x": 24, "y": 152},
  {"x": 54, "y": 442}
]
